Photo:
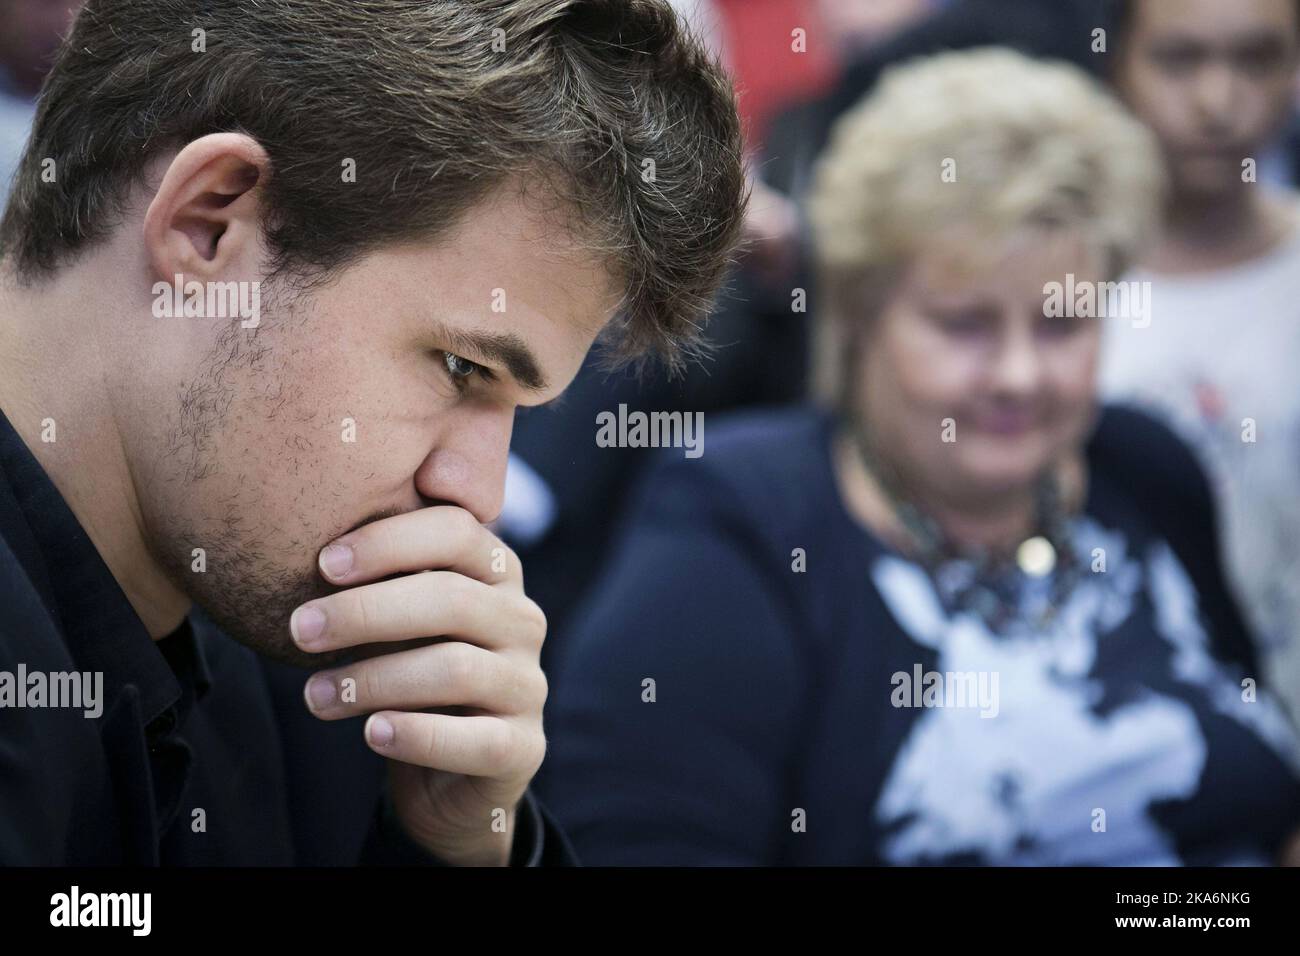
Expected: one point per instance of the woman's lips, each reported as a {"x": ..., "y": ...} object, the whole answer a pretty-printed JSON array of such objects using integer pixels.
[{"x": 1006, "y": 421}]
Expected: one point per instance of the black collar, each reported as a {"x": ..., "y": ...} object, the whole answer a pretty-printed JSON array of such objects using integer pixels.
[{"x": 100, "y": 628}]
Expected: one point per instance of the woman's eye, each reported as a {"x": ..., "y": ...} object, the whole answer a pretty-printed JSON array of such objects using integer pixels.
[{"x": 964, "y": 325}]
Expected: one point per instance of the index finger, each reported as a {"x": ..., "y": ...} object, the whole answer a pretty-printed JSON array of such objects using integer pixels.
[{"x": 438, "y": 538}]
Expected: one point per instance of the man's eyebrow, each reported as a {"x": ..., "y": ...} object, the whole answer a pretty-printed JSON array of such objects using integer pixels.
[{"x": 504, "y": 348}]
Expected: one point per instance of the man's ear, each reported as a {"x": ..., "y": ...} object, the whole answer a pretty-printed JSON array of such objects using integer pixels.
[{"x": 204, "y": 218}]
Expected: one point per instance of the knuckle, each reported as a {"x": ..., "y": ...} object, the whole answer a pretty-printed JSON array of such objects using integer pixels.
[
  {"x": 454, "y": 594},
  {"x": 535, "y": 752},
  {"x": 361, "y": 609},
  {"x": 460, "y": 669},
  {"x": 370, "y": 686},
  {"x": 499, "y": 748},
  {"x": 512, "y": 562},
  {"x": 534, "y": 621},
  {"x": 528, "y": 688},
  {"x": 461, "y": 523},
  {"x": 409, "y": 615},
  {"x": 386, "y": 540},
  {"x": 433, "y": 745},
  {"x": 539, "y": 689}
]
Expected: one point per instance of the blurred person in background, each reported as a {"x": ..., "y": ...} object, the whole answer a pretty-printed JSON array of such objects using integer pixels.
[
  {"x": 1057, "y": 29},
  {"x": 1216, "y": 357},
  {"x": 959, "y": 614},
  {"x": 30, "y": 31},
  {"x": 842, "y": 31},
  {"x": 849, "y": 32}
]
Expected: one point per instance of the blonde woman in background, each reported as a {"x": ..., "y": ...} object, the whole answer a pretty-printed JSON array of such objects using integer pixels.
[{"x": 957, "y": 613}]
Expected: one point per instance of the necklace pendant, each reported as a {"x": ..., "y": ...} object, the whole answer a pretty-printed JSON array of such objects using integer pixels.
[{"x": 1036, "y": 557}]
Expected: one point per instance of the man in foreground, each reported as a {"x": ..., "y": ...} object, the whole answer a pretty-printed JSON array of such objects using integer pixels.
[{"x": 275, "y": 278}]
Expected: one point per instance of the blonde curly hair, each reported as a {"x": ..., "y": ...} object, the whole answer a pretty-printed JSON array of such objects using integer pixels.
[{"x": 986, "y": 138}]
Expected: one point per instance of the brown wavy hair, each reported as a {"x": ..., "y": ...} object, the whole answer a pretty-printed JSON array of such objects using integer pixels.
[{"x": 438, "y": 102}]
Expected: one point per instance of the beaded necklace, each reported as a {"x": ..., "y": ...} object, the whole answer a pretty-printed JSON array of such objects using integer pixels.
[{"x": 1021, "y": 591}]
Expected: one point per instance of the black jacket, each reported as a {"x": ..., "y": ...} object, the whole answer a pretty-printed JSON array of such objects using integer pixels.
[{"x": 757, "y": 606}]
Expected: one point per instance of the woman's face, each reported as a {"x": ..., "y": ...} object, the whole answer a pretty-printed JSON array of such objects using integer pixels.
[{"x": 964, "y": 382}]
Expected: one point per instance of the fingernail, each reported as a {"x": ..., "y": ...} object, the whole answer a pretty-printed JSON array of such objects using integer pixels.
[
  {"x": 320, "y": 692},
  {"x": 336, "y": 560},
  {"x": 380, "y": 731},
  {"x": 306, "y": 624}
]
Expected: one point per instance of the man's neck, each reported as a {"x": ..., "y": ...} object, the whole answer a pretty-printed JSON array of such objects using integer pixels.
[
  {"x": 1208, "y": 232},
  {"x": 53, "y": 385}
]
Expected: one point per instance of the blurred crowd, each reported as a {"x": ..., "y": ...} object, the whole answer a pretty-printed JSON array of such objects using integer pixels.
[{"x": 773, "y": 678}]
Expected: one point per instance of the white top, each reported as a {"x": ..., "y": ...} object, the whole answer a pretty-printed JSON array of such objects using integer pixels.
[{"x": 1221, "y": 353}]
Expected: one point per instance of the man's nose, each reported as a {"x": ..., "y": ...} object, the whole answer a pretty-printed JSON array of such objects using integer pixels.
[
  {"x": 467, "y": 466},
  {"x": 1216, "y": 94}
]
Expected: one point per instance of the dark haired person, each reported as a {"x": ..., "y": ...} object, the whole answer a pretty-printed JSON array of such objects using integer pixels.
[
  {"x": 29, "y": 34},
  {"x": 958, "y": 616},
  {"x": 1216, "y": 356},
  {"x": 275, "y": 279}
]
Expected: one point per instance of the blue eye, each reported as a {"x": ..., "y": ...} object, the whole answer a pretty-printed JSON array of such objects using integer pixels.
[
  {"x": 459, "y": 368},
  {"x": 462, "y": 371}
]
